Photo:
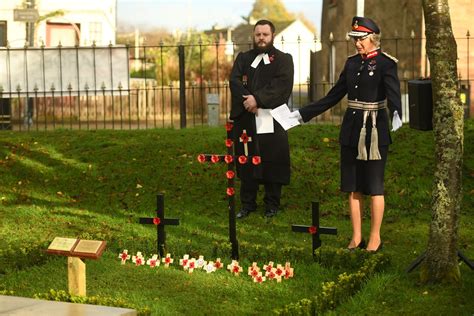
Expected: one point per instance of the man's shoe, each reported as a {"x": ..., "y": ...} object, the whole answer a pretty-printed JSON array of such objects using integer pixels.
[
  {"x": 243, "y": 213},
  {"x": 270, "y": 213}
]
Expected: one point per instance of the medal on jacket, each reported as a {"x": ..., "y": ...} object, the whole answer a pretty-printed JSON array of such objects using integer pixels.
[
  {"x": 371, "y": 67},
  {"x": 244, "y": 80}
]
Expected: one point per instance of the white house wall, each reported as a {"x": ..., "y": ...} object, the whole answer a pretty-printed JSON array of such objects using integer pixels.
[
  {"x": 83, "y": 12},
  {"x": 298, "y": 41}
]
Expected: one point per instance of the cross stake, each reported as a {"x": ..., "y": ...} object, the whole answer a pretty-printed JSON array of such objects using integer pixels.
[
  {"x": 230, "y": 159},
  {"x": 315, "y": 229},
  {"x": 160, "y": 221}
]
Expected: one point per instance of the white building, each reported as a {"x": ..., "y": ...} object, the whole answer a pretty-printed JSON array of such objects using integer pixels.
[
  {"x": 71, "y": 22},
  {"x": 297, "y": 40}
]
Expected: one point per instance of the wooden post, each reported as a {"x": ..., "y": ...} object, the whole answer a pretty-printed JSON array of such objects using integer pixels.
[{"x": 76, "y": 275}]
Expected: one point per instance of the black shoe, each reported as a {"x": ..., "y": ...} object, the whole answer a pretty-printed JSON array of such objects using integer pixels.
[
  {"x": 361, "y": 245},
  {"x": 378, "y": 248},
  {"x": 243, "y": 213},
  {"x": 270, "y": 213}
]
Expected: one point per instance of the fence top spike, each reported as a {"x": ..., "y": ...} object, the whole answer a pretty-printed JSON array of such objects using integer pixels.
[
  {"x": 86, "y": 86},
  {"x": 59, "y": 44},
  {"x": 8, "y": 45},
  {"x": 467, "y": 34},
  {"x": 53, "y": 87},
  {"x": 69, "y": 86},
  {"x": 35, "y": 89},
  {"x": 18, "y": 87},
  {"x": 94, "y": 44},
  {"x": 1, "y": 88},
  {"x": 103, "y": 86},
  {"x": 26, "y": 45},
  {"x": 42, "y": 44},
  {"x": 412, "y": 34},
  {"x": 120, "y": 86},
  {"x": 331, "y": 37}
]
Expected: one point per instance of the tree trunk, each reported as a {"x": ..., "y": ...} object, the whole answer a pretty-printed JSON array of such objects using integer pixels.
[{"x": 441, "y": 261}]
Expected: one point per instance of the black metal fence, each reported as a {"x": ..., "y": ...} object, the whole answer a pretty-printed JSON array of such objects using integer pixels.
[{"x": 177, "y": 86}]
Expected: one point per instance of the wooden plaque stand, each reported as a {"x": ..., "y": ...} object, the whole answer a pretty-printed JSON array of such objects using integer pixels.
[{"x": 76, "y": 250}]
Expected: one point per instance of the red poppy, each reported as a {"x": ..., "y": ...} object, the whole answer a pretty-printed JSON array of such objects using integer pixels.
[
  {"x": 228, "y": 158},
  {"x": 235, "y": 269},
  {"x": 279, "y": 271},
  {"x": 259, "y": 279},
  {"x": 156, "y": 221},
  {"x": 312, "y": 230},
  {"x": 243, "y": 159},
  {"x": 230, "y": 174},
  {"x": 230, "y": 191},
  {"x": 254, "y": 273},
  {"x": 256, "y": 160},
  {"x": 228, "y": 142},
  {"x": 214, "y": 158},
  {"x": 191, "y": 265},
  {"x": 167, "y": 260},
  {"x": 244, "y": 138},
  {"x": 229, "y": 126},
  {"x": 201, "y": 158},
  {"x": 218, "y": 264},
  {"x": 271, "y": 58},
  {"x": 124, "y": 256},
  {"x": 269, "y": 268}
]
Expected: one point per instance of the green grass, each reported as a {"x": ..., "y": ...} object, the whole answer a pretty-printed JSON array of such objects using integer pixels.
[{"x": 96, "y": 184}]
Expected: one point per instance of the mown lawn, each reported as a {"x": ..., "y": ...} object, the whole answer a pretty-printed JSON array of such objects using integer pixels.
[{"x": 96, "y": 184}]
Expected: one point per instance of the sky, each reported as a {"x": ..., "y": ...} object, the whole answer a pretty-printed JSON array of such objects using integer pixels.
[{"x": 201, "y": 14}]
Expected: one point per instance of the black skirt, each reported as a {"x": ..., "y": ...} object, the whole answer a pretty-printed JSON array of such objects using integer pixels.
[{"x": 365, "y": 176}]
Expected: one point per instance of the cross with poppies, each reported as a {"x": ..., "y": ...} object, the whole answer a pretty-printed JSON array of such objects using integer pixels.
[
  {"x": 315, "y": 230},
  {"x": 231, "y": 160},
  {"x": 160, "y": 222}
]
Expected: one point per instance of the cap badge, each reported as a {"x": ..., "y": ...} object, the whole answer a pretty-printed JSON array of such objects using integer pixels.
[{"x": 356, "y": 24}]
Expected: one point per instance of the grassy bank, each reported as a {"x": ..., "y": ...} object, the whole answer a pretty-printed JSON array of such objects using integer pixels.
[{"x": 95, "y": 185}]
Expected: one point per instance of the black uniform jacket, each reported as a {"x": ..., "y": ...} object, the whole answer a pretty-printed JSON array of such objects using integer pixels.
[
  {"x": 271, "y": 85},
  {"x": 364, "y": 80}
]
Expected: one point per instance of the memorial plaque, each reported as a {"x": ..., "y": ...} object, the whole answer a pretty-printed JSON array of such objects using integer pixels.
[
  {"x": 89, "y": 249},
  {"x": 71, "y": 247},
  {"x": 61, "y": 245}
]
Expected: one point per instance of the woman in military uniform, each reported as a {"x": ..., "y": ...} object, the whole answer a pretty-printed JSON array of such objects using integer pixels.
[{"x": 370, "y": 80}]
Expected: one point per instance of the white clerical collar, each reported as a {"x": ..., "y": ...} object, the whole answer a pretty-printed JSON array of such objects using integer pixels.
[{"x": 258, "y": 58}]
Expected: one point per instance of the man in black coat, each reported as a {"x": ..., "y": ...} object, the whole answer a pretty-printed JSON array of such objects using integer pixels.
[{"x": 261, "y": 78}]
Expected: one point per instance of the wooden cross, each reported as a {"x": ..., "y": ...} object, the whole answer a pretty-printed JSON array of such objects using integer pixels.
[
  {"x": 315, "y": 230},
  {"x": 230, "y": 159},
  {"x": 160, "y": 222},
  {"x": 244, "y": 138}
]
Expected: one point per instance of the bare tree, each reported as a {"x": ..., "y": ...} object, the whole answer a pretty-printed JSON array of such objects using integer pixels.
[{"x": 441, "y": 260}]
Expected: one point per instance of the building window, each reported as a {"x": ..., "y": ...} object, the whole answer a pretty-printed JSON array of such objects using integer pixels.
[
  {"x": 3, "y": 33},
  {"x": 95, "y": 32}
]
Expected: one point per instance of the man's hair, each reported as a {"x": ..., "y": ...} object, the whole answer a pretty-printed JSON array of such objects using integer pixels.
[{"x": 265, "y": 22}]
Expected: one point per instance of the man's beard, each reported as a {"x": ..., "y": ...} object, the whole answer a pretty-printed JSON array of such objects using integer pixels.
[{"x": 264, "y": 49}]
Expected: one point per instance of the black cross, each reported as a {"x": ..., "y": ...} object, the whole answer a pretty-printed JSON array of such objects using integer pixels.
[
  {"x": 160, "y": 221},
  {"x": 230, "y": 159},
  {"x": 315, "y": 229}
]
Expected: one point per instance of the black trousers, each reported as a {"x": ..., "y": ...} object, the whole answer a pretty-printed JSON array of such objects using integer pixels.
[{"x": 248, "y": 194}]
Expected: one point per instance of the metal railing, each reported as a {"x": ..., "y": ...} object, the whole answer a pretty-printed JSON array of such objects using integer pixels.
[{"x": 158, "y": 86}]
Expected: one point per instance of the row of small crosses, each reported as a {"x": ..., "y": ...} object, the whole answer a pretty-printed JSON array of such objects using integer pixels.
[{"x": 270, "y": 271}]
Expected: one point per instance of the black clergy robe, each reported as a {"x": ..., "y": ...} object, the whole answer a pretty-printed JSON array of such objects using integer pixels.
[{"x": 271, "y": 85}]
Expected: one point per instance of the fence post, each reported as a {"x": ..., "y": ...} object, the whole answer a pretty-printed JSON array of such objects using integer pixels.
[{"x": 182, "y": 88}]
